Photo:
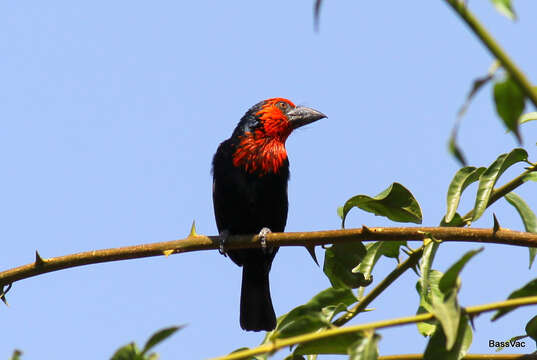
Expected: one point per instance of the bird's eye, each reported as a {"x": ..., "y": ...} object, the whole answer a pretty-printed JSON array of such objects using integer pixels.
[{"x": 283, "y": 105}]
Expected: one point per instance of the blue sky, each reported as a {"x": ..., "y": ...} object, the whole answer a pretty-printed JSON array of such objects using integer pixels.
[{"x": 111, "y": 113}]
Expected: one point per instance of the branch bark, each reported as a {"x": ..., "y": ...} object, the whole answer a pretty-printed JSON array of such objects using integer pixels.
[{"x": 195, "y": 242}]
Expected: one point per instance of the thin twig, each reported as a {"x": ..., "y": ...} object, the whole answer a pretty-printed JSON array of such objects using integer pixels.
[
  {"x": 479, "y": 30},
  {"x": 302, "y": 339}
]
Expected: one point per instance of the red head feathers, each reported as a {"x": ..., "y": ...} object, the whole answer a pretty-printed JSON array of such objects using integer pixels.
[{"x": 260, "y": 135}]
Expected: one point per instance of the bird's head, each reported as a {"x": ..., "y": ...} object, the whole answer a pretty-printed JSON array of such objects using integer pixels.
[{"x": 261, "y": 134}]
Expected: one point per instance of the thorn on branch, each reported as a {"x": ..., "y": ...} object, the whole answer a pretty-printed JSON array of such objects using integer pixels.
[
  {"x": 471, "y": 318},
  {"x": 193, "y": 229},
  {"x": 168, "y": 252},
  {"x": 366, "y": 230},
  {"x": 39, "y": 262},
  {"x": 3, "y": 293},
  {"x": 496, "y": 227},
  {"x": 311, "y": 250}
]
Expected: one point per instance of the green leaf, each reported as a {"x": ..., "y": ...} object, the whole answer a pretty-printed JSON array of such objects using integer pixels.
[
  {"x": 368, "y": 263},
  {"x": 339, "y": 262},
  {"x": 510, "y": 103},
  {"x": 132, "y": 352},
  {"x": 330, "y": 297},
  {"x": 530, "y": 289},
  {"x": 370, "y": 259},
  {"x": 396, "y": 203},
  {"x": 505, "y": 8},
  {"x": 448, "y": 282},
  {"x": 477, "y": 84},
  {"x": 313, "y": 315},
  {"x": 531, "y": 328},
  {"x": 528, "y": 218},
  {"x": 128, "y": 352},
  {"x": 524, "y": 118},
  {"x": 333, "y": 345},
  {"x": 436, "y": 347},
  {"x": 448, "y": 313},
  {"x": 16, "y": 355},
  {"x": 444, "y": 305},
  {"x": 455, "y": 222},
  {"x": 300, "y": 320},
  {"x": 462, "y": 179},
  {"x": 391, "y": 248},
  {"x": 159, "y": 336},
  {"x": 428, "y": 289},
  {"x": 527, "y": 117},
  {"x": 426, "y": 328},
  {"x": 431, "y": 291},
  {"x": 340, "y": 212},
  {"x": 332, "y": 310},
  {"x": 454, "y": 148},
  {"x": 532, "y": 176},
  {"x": 365, "y": 348},
  {"x": 294, "y": 356},
  {"x": 426, "y": 267},
  {"x": 374, "y": 251},
  {"x": 489, "y": 177}
]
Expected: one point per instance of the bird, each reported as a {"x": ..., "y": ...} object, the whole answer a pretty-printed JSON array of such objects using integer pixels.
[{"x": 250, "y": 175}]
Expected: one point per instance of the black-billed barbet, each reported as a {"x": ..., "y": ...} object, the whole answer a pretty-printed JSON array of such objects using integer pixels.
[{"x": 250, "y": 174}]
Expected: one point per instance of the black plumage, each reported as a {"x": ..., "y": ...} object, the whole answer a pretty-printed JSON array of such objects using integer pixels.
[{"x": 250, "y": 175}]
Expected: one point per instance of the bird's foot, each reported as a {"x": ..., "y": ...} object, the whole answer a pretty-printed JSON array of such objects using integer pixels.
[
  {"x": 222, "y": 242},
  {"x": 263, "y": 238}
]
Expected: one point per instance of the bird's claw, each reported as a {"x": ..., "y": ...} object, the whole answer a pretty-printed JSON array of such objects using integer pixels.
[
  {"x": 263, "y": 238},
  {"x": 222, "y": 242}
]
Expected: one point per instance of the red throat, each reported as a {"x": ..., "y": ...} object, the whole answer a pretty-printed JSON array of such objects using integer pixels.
[
  {"x": 262, "y": 150},
  {"x": 260, "y": 155}
]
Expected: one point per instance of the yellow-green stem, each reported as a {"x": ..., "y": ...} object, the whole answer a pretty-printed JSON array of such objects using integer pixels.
[
  {"x": 387, "y": 281},
  {"x": 301, "y": 339},
  {"x": 479, "y": 30}
]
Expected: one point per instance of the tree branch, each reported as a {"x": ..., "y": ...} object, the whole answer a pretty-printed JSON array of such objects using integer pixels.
[
  {"x": 412, "y": 260},
  {"x": 196, "y": 242},
  {"x": 479, "y": 30},
  {"x": 301, "y": 339}
]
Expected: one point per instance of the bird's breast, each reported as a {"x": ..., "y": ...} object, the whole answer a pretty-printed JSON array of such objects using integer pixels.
[{"x": 260, "y": 155}]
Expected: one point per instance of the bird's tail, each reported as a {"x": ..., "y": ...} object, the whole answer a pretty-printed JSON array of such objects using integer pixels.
[{"x": 257, "y": 312}]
